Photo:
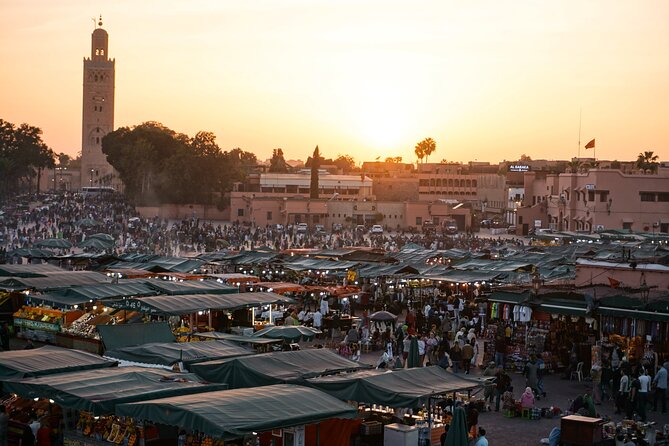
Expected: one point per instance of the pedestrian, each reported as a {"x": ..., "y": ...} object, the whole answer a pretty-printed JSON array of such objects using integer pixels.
[
  {"x": 644, "y": 389},
  {"x": 633, "y": 400},
  {"x": 596, "y": 377},
  {"x": 660, "y": 383},
  {"x": 623, "y": 390},
  {"x": 467, "y": 355},
  {"x": 456, "y": 357},
  {"x": 482, "y": 440},
  {"x": 500, "y": 351},
  {"x": 502, "y": 384},
  {"x": 532, "y": 374}
]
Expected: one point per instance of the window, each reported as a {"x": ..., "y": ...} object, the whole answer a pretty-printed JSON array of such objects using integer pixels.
[
  {"x": 269, "y": 215},
  {"x": 424, "y": 182},
  {"x": 102, "y": 52},
  {"x": 240, "y": 212},
  {"x": 468, "y": 183},
  {"x": 473, "y": 183},
  {"x": 419, "y": 221},
  {"x": 627, "y": 225},
  {"x": 647, "y": 196},
  {"x": 97, "y": 140},
  {"x": 663, "y": 196},
  {"x": 591, "y": 195},
  {"x": 603, "y": 196}
]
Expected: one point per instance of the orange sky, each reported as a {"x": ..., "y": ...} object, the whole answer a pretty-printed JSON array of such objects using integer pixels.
[{"x": 488, "y": 80}]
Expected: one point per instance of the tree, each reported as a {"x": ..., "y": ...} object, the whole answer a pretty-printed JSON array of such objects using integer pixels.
[
  {"x": 647, "y": 161},
  {"x": 425, "y": 148},
  {"x": 277, "y": 164},
  {"x": 394, "y": 159},
  {"x": 23, "y": 156},
  {"x": 345, "y": 162},
  {"x": 525, "y": 158},
  {"x": 315, "y": 164}
]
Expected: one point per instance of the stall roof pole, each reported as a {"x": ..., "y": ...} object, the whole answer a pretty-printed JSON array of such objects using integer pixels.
[
  {"x": 318, "y": 435},
  {"x": 270, "y": 313}
]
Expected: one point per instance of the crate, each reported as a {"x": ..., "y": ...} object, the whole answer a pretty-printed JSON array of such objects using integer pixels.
[{"x": 371, "y": 428}]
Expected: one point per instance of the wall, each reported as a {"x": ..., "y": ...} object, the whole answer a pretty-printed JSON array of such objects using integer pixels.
[{"x": 184, "y": 211}]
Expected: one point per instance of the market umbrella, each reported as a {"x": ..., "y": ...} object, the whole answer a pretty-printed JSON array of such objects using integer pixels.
[
  {"x": 101, "y": 236},
  {"x": 95, "y": 243},
  {"x": 457, "y": 433},
  {"x": 413, "y": 360},
  {"x": 287, "y": 332},
  {"x": 382, "y": 316},
  {"x": 87, "y": 222},
  {"x": 58, "y": 243}
]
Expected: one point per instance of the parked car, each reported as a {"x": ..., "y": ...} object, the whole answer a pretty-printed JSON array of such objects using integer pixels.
[
  {"x": 320, "y": 229},
  {"x": 337, "y": 227},
  {"x": 450, "y": 227},
  {"x": 377, "y": 229},
  {"x": 486, "y": 223},
  {"x": 360, "y": 228},
  {"x": 302, "y": 227},
  {"x": 511, "y": 229},
  {"x": 279, "y": 227}
]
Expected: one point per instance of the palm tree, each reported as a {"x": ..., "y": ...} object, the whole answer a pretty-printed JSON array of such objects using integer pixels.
[
  {"x": 425, "y": 148},
  {"x": 647, "y": 161}
]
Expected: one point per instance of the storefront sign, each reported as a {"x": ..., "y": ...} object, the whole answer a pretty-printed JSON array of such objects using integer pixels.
[
  {"x": 36, "y": 325},
  {"x": 519, "y": 168}
]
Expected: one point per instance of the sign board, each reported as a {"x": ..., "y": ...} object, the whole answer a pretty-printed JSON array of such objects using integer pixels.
[
  {"x": 537, "y": 223},
  {"x": 599, "y": 227},
  {"x": 590, "y": 187},
  {"x": 519, "y": 168}
]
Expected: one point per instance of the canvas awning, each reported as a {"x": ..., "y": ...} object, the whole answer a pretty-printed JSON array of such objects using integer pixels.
[
  {"x": 275, "y": 368},
  {"x": 230, "y": 414},
  {"x": 99, "y": 391},
  {"x": 167, "y": 354},
  {"x": 236, "y": 338},
  {"x": 87, "y": 293},
  {"x": 47, "y": 360},
  {"x": 402, "y": 388},
  {"x": 55, "y": 280},
  {"x": 125, "y": 335},
  {"x": 190, "y": 287},
  {"x": 186, "y": 304}
]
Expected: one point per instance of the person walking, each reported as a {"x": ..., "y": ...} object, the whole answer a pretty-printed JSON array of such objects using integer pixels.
[
  {"x": 500, "y": 351},
  {"x": 623, "y": 391},
  {"x": 660, "y": 383},
  {"x": 467, "y": 355},
  {"x": 644, "y": 389},
  {"x": 532, "y": 374}
]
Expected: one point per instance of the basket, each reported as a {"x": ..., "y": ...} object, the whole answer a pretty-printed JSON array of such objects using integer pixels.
[{"x": 371, "y": 428}]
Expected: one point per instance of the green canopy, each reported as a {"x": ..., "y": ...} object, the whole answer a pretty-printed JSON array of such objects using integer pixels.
[
  {"x": 288, "y": 332},
  {"x": 236, "y": 338},
  {"x": 86, "y": 293},
  {"x": 457, "y": 434},
  {"x": 400, "y": 388},
  {"x": 275, "y": 368},
  {"x": 101, "y": 236},
  {"x": 99, "y": 391},
  {"x": 47, "y": 360},
  {"x": 58, "y": 243},
  {"x": 185, "y": 304},
  {"x": 96, "y": 243},
  {"x": 54, "y": 281},
  {"x": 125, "y": 335},
  {"x": 191, "y": 287},
  {"x": 171, "y": 353},
  {"x": 230, "y": 414}
]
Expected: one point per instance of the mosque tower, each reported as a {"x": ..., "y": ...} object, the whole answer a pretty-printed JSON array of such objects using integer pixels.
[{"x": 98, "y": 112}]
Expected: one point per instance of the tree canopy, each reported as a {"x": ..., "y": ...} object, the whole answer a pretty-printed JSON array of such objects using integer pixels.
[
  {"x": 425, "y": 148},
  {"x": 647, "y": 161},
  {"x": 23, "y": 156},
  {"x": 315, "y": 165},
  {"x": 158, "y": 165},
  {"x": 277, "y": 164}
]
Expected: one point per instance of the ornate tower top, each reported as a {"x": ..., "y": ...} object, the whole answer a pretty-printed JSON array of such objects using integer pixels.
[{"x": 99, "y": 43}]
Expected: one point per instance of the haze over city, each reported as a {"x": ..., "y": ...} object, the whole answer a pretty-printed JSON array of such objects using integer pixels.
[{"x": 486, "y": 80}]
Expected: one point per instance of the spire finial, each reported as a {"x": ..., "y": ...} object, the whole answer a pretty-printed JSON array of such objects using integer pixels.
[{"x": 100, "y": 21}]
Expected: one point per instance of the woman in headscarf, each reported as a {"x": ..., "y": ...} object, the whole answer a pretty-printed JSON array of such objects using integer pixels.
[
  {"x": 588, "y": 409},
  {"x": 527, "y": 399},
  {"x": 457, "y": 432}
]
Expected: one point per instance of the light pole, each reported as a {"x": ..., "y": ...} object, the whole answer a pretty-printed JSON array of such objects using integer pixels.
[{"x": 92, "y": 170}]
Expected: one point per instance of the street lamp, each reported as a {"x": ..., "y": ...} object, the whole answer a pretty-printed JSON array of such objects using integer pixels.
[
  {"x": 92, "y": 170},
  {"x": 644, "y": 289}
]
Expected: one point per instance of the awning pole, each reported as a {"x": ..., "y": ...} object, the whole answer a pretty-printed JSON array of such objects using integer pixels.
[
  {"x": 270, "y": 313},
  {"x": 253, "y": 317},
  {"x": 318, "y": 435},
  {"x": 210, "y": 317}
]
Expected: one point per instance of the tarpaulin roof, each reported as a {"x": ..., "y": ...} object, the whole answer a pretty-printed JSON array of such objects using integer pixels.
[
  {"x": 230, "y": 414},
  {"x": 196, "y": 302},
  {"x": 47, "y": 360},
  {"x": 236, "y": 338},
  {"x": 162, "y": 353},
  {"x": 190, "y": 287},
  {"x": 126, "y": 335},
  {"x": 630, "y": 307},
  {"x": 456, "y": 276},
  {"x": 81, "y": 294},
  {"x": 99, "y": 391},
  {"x": 275, "y": 368},
  {"x": 55, "y": 280},
  {"x": 402, "y": 388},
  {"x": 509, "y": 297},
  {"x": 29, "y": 270}
]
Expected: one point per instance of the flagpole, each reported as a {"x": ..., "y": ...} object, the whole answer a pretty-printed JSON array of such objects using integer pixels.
[{"x": 580, "y": 115}]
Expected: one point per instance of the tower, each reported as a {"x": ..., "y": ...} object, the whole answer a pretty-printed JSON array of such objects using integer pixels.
[{"x": 98, "y": 111}]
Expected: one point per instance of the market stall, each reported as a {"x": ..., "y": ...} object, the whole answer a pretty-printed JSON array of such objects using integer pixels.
[
  {"x": 216, "y": 414},
  {"x": 171, "y": 354},
  {"x": 47, "y": 360},
  {"x": 275, "y": 368}
]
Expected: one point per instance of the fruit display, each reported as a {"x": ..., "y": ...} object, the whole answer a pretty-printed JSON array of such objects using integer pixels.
[
  {"x": 202, "y": 440},
  {"x": 110, "y": 429},
  {"x": 38, "y": 314}
]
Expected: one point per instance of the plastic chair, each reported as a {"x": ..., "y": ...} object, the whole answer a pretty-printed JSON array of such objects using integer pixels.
[{"x": 578, "y": 372}]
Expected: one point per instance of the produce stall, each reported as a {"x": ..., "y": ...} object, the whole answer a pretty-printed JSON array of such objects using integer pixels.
[{"x": 38, "y": 323}]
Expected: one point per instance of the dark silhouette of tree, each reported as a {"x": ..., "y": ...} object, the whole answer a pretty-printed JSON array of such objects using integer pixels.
[
  {"x": 345, "y": 162},
  {"x": 425, "y": 148},
  {"x": 647, "y": 161},
  {"x": 23, "y": 157},
  {"x": 277, "y": 164},
  {"x": 315, "y": 164},
  {"x": 524, "y": 158},
  {"x": 394, "y": 159},
  {"x": 158, "y": 165}
]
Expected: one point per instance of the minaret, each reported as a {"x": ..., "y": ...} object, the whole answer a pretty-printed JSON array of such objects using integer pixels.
[{"x": 98, "y": 112}]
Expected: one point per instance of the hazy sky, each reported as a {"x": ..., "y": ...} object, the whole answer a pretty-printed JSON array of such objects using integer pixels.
[{"x": 488, "y": 80}]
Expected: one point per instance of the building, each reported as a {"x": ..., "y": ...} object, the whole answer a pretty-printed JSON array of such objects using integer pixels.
[
  {"x": 98, "y": 112},
  {"x": 595, "y": 200},
  {"x": 474, "y": 182}
]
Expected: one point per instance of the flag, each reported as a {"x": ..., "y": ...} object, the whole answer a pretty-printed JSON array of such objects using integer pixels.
[
  {"x": 613, "y": 282},
  {"x": 590, "y": 145}
]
